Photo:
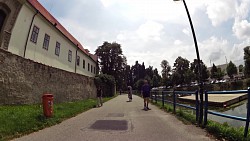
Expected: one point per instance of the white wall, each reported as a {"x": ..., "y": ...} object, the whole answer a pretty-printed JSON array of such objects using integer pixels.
[{"x": 20, "y": 31}]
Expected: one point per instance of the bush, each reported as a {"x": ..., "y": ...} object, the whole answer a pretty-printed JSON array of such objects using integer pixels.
[
  {"x": 224, "y": 86},
  {"x": 107, "y": 83},
  {"x": 236, "y": 85},
  {"x": 139, "y": 84},
  {"x": 224, "y": 131}
]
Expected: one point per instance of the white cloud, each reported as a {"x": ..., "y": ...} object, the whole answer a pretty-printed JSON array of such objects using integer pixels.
[
  {"x": 177, "y": 42},
  {"x": 220, "y": 11},
  {"x": 237, "y": 54},
  {"x": 243, "y": 9},
  {"x": 107, "y": 3},
  {"x": 241, "y": 29},
  {"x": 186, "y": 31},
  {"x": 150, "y": 31}
]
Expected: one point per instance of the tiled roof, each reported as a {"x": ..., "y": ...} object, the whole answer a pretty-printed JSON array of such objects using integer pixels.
[{"x": 57, "y": 25}]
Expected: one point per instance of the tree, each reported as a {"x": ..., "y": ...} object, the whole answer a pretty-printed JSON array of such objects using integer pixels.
[
  {"x": 165, "y": 72},
  {"x": 112, "y": 61},
  {"x": 156, "y": 78},
  {"x": 241, "y": 68},
  {"x": 181, "y": 66},
  {"x": 135, "y": 70},
  {"x": 219, "y": 74},
  {"x": 213, "y": 72},
  {"x": 176, "y": 78},
  {"x": 149, "y": 72},
  {"x": 155, "y": 81},
  {"x": 195, "y": 70},
  {"x": 231, "y": 69},
  {"x": 247, "y": 61},
  {"x": 189, "y": 76},
  {"x": 165, "y": 69}
]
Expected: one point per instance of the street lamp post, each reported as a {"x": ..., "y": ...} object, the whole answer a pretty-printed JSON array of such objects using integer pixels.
[{"x": 199, "y": 63}]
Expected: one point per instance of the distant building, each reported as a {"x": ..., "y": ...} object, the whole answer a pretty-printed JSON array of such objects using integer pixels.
[
  {"x": 27, "y": 29},
  {"x": 223, "y": 68}
]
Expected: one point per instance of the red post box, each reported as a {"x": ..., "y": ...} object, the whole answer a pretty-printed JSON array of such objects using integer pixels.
[{"x": 47, "y": 105}]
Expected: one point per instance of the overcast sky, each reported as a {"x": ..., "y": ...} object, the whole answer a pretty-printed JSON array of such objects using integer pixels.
[{"x": 153, "y": 30}]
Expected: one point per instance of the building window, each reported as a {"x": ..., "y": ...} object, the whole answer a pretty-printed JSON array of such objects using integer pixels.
[
  {"x": 70, "y": 56},
  {"x": 83, "y": 63},
  {"x": 91, "y": 68},
  {"x": 46, "y": 41},
  {"x": 34, "y": 34},
  {"x": 78, "y": 60},
  {"x": 94, "y": 70},
  {"x": 57, "y": 49},
  {"x": 88, "y": 66}
]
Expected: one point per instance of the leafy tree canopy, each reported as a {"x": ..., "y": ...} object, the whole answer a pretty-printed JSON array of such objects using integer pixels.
[{"x": 231, "y": 69}]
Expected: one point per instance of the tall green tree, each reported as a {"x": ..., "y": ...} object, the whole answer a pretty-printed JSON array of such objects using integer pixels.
[
  {"x": 166, "y": 69},
  {"x": 111, "y": 60},
  {"x": 195, "y": 70},
  {"x": 189, "y": 76},
  {"x": 157, "y": 77},
  {"x": 149, "y": 71},
  {"x": 135, "y": 70},
  {"x": 181, "y": 66},
  {"x": 231, "y": 69},
  {"x": 219, "y": 74},
  {"x": 214, "y": 71},
  {"x": 241, "y": 68},
  {"x": 247, "y": 61}
]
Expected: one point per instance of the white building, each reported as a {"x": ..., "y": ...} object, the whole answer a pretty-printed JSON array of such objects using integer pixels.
[{"x": 29, "y": 30}]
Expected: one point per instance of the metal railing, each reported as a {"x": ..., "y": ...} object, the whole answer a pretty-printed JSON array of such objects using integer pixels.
[
  {"x": 246, "y": 119},
  {"x": 161, "y": 96}
]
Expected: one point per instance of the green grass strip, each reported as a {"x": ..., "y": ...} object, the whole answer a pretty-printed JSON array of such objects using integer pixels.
[{"x": 16, "y": 121}]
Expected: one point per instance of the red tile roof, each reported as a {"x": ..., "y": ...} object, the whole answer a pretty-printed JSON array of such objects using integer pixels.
[{"x": 53, "y": 21}]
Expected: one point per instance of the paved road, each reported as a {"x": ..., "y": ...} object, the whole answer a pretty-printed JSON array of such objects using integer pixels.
[{"x": 119, "y": 120}]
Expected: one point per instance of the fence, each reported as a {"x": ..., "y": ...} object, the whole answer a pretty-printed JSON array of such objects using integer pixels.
[
  {"x": 162, "y": 96},
  {"x": 246, "y": 119}
]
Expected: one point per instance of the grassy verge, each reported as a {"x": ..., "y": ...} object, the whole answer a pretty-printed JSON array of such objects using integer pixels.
[
  {"x": 220, "y": 131},
  {"x": 16, "y": 121}
]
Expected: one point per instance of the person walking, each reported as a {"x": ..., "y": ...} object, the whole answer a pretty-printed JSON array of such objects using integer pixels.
[
  {"x": 130, "y": 93},
  {"x": 99, "y": 96},
  {"x": 145, "y": 92}
]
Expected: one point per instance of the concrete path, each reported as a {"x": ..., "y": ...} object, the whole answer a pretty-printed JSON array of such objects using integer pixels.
[{"x": 119, "y": 120}]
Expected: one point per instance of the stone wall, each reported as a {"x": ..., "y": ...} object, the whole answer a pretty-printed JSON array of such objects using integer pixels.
[{"x": 24, "y": 81}]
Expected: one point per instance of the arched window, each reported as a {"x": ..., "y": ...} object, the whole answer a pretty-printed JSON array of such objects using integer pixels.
[{"x": 2, "y": 18}]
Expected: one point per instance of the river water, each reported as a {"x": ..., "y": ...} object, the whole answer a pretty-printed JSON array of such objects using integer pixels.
[{"x": 240, "y": 111}]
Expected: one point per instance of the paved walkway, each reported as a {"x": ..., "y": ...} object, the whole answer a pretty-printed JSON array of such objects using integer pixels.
[{"x": 119, "y": 120}]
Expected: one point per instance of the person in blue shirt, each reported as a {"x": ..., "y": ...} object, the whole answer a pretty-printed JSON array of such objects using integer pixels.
[{"x": 145, "y": 92}]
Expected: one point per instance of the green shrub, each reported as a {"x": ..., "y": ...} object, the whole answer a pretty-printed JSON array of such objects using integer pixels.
[
  {"x": 139, "y": 84},
  {"x": 236, "y": 85},
  {"x": 209, "y": 87},
  {"x": 224, "y": 86},
  {"x": 224, "y": 131},
  {"x": 107, "y": 83}
]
